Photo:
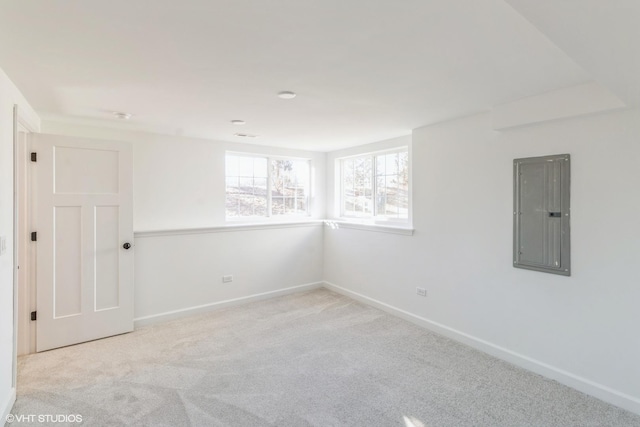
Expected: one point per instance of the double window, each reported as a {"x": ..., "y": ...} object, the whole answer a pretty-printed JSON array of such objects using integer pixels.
[
  {"x": 375, "y": 186},
  {"x": 260, "y": 186}
]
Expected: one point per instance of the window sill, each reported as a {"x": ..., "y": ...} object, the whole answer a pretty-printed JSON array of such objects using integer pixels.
[
  {"x": 226, "y": 228},
  {"x": 336, "y": 224}
]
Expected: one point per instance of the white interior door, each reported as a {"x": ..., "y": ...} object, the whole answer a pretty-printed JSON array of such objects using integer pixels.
[{"x": 84, "y": 221}]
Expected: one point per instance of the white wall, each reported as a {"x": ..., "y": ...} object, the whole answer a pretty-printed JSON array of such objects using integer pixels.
[
  {"x": 9, "y": 95},
  {"x": 581, "y": 329},
  {"x": 179, "y": 184},
  {"x": 184, "y": 272}
]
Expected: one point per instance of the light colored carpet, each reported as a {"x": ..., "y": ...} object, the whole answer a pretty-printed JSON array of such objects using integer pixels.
[{"x": 315, "y": 358}]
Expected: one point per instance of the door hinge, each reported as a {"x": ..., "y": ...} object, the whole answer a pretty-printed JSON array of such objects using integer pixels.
[
  {"x": 34, "y": 157},
  {"x": 34, "y": 236},
  {"x": 34, "y": 315}
]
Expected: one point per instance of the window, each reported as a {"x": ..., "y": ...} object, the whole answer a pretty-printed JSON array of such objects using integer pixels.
[
  {"x": 376, "y": 185},
  {"x": 260, "y": 186}
]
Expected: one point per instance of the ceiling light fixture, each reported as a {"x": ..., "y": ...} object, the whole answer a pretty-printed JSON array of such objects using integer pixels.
[
  {"x": 122, "y": 116},
  {"x": 286, "y": 95},
  {"x": 245, "y": 135},
  {"x": 238, "y": 122}
]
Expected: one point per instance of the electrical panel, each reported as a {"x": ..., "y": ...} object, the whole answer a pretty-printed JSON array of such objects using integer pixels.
[{"x": 541, "y": 214}]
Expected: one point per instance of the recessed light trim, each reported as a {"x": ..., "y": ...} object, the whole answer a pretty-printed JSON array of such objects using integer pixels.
[
  {"x": 122, "y": 116},
  {"x": 287, "y": 94},
  {"x": 238, "y": 122}
]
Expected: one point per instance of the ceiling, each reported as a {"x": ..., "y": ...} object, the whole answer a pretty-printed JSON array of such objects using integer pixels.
[
  {"x": 364, "y": 70},
  {"x": 601, "y": 36}
]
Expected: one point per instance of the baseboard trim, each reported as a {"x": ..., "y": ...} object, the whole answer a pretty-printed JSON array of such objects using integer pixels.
[
  {"x": 584, "y": 385},
  {"x": 176, "y": 314},
  {"x": 8, "y": 405}
]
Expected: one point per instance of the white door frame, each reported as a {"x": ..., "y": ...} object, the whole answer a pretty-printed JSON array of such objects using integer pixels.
[
  {"x": 25, "y": 287},
  {"x": 24, "y": 123}
]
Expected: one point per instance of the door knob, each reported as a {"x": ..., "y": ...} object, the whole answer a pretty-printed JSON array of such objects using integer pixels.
[{"x": 127, "y": 245}]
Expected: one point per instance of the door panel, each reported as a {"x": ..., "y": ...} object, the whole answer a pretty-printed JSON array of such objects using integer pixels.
[
  {"x": 107, "y": 220},
  {"x": 98, "y": 169},
  {"x": 84, "y": 214},
  {"x": 67, "y": 260}
]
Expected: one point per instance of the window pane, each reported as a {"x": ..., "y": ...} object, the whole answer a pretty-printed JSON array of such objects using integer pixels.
[
  {"x": 349, "y": 205},
  {"x": 357, "y": 186},
  {"x": 246, "y": 182},
  {"x": 232, "y": 184},
  {"x": 289, "y": 180},
  {"x": 301, "y": 204},
  {"x": 260, "y": 167},
  {"x": 302, "y": 173},
  {"x": 381, "y": 195},
  {"x": 245, "y": 204},
  {"x": 246, "y": 185},
  {"x": 403, "y": 184},
  {"x": 260, "y": 206},
  {"x": 277, "y": 205},
  {"x": 347, "y": 170},
  {"x": 393, "y": 186},
  {"x": 404, "y": 161},
  {"x": 260, "y": 187},
  {"x": 246, "y": 166},
  {"x": 232, "y": 196},
  {"x": 380, "y": 165},
  {"x": 391, "y": 161},
  {"x": 290, "y": 205}
]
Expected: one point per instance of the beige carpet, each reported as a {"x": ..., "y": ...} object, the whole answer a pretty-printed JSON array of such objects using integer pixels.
[{"x": 315, "y": 358}]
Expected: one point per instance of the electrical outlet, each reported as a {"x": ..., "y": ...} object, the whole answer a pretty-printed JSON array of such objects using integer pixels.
[
  {"x": 227, "y": 279},
  {"x": 421, "y": 291}
]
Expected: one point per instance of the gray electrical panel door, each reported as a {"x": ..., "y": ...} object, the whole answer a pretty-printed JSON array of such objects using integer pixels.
[{"x": 541, "y": 214}]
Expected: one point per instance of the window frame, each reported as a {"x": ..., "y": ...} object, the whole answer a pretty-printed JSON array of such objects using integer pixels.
[
  {"x": 373, "y": 218},
  {"x": 269, "y": 217}
]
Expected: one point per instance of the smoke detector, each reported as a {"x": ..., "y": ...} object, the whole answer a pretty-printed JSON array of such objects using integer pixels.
[
  {"x": 122, "y": 116},
  {"x": 286, "y": 94}
]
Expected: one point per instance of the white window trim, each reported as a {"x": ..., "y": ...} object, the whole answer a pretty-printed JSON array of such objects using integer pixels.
[
  {"x": 381, "y": 228},
  {"x": 370, "y": 222},
  {"x": 269, "y": 217}
]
